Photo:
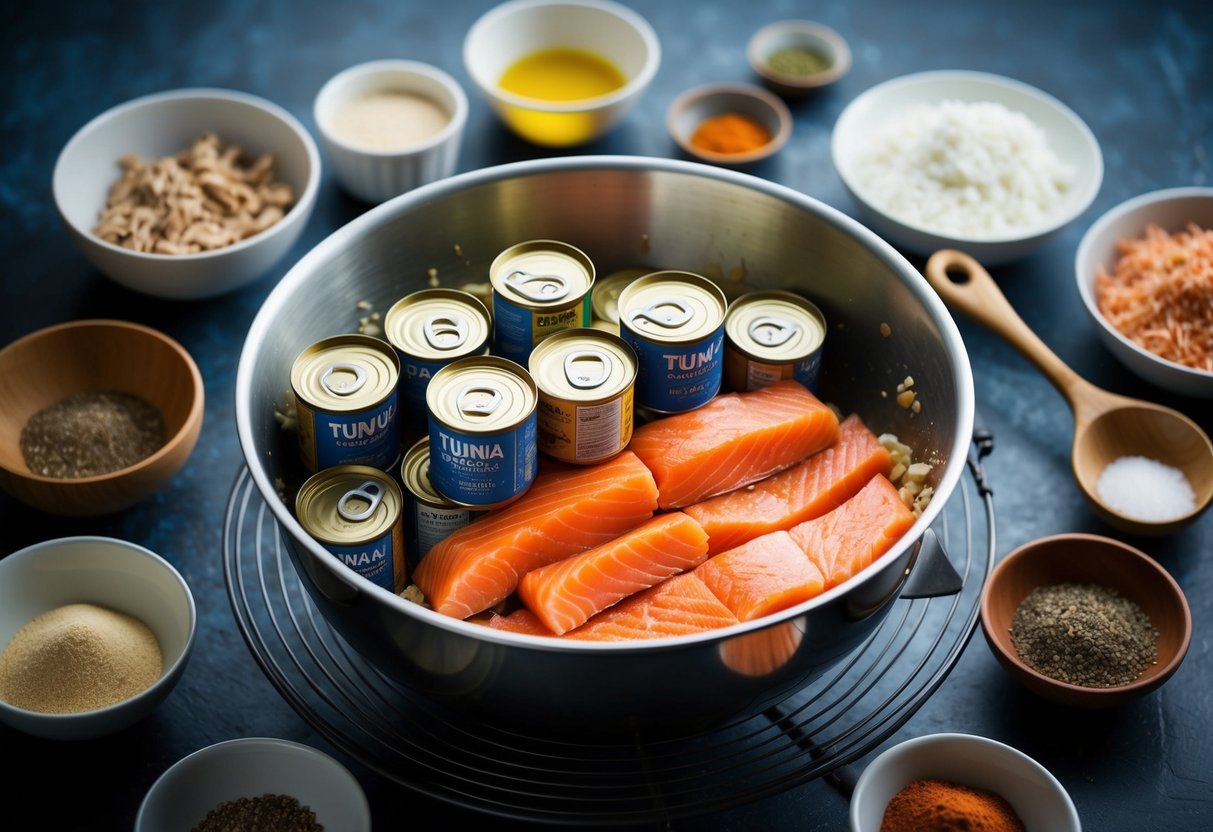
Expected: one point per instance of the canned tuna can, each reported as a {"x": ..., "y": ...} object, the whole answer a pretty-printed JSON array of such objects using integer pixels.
[
  {"x": 346, "y": 396},
  {"x": 539, "y": 287},
  {"x": 483, "y": 451},
  {"x": 356, "y": 512},
  {"x": 429, "y": 517},
  {"x": 770, "y": 336},
  {"x": 585, "y": 379},
  {"x": 604, "y": 298},
  {"x": 431, "y": 328},
  {"x": 675, "y": 323}
]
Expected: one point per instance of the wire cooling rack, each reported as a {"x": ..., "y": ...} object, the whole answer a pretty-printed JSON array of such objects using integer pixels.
[{"x": 816, "y": 731}]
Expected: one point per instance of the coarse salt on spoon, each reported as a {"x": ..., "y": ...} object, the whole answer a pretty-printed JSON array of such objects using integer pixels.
[{"x": 1107, "y": 426}]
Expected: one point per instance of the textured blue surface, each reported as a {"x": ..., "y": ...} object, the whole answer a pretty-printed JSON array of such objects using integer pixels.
[{"x": 1137, "y": 73}]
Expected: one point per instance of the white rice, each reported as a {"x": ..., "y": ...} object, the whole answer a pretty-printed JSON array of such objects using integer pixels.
[{"x": 971, "y": 169}]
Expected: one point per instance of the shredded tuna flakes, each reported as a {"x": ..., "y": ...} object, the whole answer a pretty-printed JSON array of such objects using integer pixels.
[{"x": 1160, "y": 294}]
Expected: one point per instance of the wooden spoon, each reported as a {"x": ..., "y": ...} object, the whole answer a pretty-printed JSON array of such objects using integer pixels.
[{"x": 1106, "y": 426}]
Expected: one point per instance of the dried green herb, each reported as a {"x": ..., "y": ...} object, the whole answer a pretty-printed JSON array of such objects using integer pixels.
[{"x": 796, "y": 60}]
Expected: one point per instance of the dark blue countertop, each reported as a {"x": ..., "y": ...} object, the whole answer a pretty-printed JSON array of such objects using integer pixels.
[{"x": 1137, "y": 73}]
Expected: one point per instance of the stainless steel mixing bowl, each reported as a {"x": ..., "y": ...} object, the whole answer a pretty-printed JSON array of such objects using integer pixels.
[{"x": 622, "y": 211}]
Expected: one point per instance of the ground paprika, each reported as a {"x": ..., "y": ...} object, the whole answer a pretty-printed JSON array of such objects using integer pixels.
[
  {"x": 730, "y": 133},
  {"x": 941, "y": 806}
]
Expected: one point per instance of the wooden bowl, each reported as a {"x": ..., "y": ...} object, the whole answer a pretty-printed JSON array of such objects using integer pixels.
[
  {"x": 1086, "y": 558},
  {"x": 46, "y": 366}
]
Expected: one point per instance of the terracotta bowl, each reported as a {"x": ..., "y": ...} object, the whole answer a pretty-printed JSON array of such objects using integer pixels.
[
  {"x": 1086, "y": 558},
  {"x": 46, "y": 366},
  {"x": 696, "y": 105}
]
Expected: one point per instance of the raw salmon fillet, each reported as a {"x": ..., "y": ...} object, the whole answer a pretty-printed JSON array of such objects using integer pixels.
[
  {"x": 678, "y": 606},
  {"x": 567, "y": 593},
  {"x": 768, "y": 574},
  {"x": 566, "y": 510},
  {"x": 733, "y": 440},
  {"x": 519, "y": 621},
  {"x": 856, "y": 533},
  {"x": 808, "y": 489}
]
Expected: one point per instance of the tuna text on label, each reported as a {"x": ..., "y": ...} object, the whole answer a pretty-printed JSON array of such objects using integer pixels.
[
  {"x": 363, "y": 429},
  {"x": 692, "y": 361}
]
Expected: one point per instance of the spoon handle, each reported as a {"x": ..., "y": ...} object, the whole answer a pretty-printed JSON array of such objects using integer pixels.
[{"x": 964, "y": 284}]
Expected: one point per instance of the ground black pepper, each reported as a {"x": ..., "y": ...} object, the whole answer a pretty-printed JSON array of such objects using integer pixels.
[
  {"x": 267, "y": 813},
  {"x": 91, "y": 433},
  {"x": 1084, "y": 634}
]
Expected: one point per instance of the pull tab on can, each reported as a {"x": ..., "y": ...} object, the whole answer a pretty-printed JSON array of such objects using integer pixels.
[
  {"x": 340, "y": 387},
  {"x": 479, "y": 401},
  {"x": 669, "y": 313},
  {"x": 445, "y": 332},
  {"x": 540, "y": 288},
  {"x": 587, "y": 369},
  {"x": 771, "y": 331},
  {"x": 370, "y": 491}
]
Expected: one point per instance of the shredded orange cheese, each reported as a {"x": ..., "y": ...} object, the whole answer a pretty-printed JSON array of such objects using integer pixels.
[{"x": 1160, "y": 294}]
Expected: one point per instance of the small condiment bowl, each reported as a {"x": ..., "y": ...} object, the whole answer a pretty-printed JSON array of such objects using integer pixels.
[
  {"x": 372, "y": 173},
  {"x": 516, "y": 29},
  {"x": 45, "y": 367},
  {"x": 1086, "y": 559},
  {"x": 1172, "y": 209},
  {"x": 695, "y": 106},
  {"x": 165, "y": 124},
  {"x": 109, "y": 573},
  {"x": 1041, "y": 802},
  {"x": 1065, "y": 133},
  {"x": 252, "y": 767},
  {"x": 798, "y": 34}
]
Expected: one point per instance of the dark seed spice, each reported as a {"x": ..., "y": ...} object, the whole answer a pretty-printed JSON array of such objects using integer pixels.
[
  {"x": 91, "y": 433},
  {"x": 267, "y": 813},
  {"x": 1084, "y": 634}
]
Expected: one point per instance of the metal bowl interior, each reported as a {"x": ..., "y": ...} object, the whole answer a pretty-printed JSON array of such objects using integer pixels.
[{"x": 743, "y": 232}]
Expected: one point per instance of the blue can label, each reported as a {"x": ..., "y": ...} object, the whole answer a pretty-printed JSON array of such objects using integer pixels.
[
  {"x": 516, "y": 329},
  {"x": 415, "y": 376},
  {"x": 672, "y": 378},
  {"x": 368, "y": 437},
  {"x": 372, "y": 561},
  {"x": 483, "y": 470}
]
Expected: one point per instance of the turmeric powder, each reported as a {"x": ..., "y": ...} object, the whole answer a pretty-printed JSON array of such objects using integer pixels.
[
  {"x": 940, "y": 806},
  {"x": 730, "y": 133}
]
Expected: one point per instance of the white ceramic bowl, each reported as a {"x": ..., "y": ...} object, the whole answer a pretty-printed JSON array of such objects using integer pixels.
[
  {"x": 694, "y": 106},
  {"x": 803, "y": 34},
  {"x": 1172, "y": 209},
  {"x": 1040, "y": 801},
  {"x": 1066, "y": 134},
  {"x": 518, "y": 28},
  {"x": 164, "y": 124},
  {"x": 374, "y": 175},
  {"x": 109, "y": 573},
  {"x": 251, "y": 767}
]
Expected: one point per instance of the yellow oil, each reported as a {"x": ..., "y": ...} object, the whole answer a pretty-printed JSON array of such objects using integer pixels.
[{"x": 562, "y": 74}]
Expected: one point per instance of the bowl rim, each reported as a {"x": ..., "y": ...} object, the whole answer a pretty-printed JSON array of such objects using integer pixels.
[
  {"x": 314, "y": 756},
  {"x": 716, "y": 89},
  {"x": 393, "y": 67},
  {"x": 490, "y": 90},
  {"x": 192, "y": 420},
  {"x": 840, "y": 66},
  {"x": 1029, "y": 548},
  {"x": 961, "y": 368},
  {"x": 167, "y": 676},
  {"x": 1084, "y": 254},
  {"x": 911, "y": 746},
  {"x": 303, "y": 201},
  {"x": 992, "y": 81}
]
